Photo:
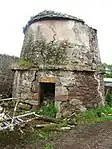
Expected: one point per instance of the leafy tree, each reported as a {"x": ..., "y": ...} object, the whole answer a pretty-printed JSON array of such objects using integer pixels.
[{"x": 108, "y": 70}]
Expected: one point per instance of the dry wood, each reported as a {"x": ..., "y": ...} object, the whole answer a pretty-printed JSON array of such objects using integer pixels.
[
  {"x": 47, "y": 125},
  {"x": 48, "y": 119},
  {"x": 7, "y": 99}
]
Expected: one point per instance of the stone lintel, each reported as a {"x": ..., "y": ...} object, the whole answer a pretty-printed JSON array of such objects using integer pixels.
[{"x": 47, "y": 80}]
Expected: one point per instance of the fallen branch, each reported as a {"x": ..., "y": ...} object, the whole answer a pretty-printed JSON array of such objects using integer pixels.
[
  {"x": 15, "y": 108},
  {"x": 46, "y": 125},
  {"x": 48, "y": 119},
  {"x": 7, "y": 99}
]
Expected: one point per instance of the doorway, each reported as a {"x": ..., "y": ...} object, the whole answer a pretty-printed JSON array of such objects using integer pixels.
[{"x": 47, "y": 93}]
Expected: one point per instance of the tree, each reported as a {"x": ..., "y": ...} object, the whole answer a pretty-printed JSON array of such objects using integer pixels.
[{"x": 108, "y": 70}]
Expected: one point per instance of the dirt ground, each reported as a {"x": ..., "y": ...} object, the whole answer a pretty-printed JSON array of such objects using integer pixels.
[{"x": 95, "y": 136}]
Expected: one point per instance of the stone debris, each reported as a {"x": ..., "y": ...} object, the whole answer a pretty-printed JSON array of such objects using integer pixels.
[{"x": 71, "y": 107}]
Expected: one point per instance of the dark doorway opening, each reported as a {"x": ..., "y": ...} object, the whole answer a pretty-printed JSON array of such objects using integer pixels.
[{"x": 47, "y": 93}]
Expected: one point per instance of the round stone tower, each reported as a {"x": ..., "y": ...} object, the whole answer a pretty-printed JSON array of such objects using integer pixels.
[
  {"x": 60, "y": 62},
  {"x": 55, "y": 39}
]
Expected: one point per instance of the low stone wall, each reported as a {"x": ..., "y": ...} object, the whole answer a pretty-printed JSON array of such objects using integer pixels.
[{"x": 6, "y": 74}]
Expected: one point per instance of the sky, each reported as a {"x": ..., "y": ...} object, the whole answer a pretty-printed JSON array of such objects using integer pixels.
[{"x": 14, "y": 14}]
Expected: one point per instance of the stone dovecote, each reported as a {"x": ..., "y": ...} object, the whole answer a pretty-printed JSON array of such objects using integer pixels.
[{"x": 59, "y": 63}]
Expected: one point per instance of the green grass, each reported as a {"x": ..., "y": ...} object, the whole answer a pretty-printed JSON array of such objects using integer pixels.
[
  {"x": 109, "y": 99},
  {"x": 94, "y": 115},
  {"x": 48, "y": 110},
  {"x": 91, "y": 116},
  {"x": 48, "y": 146}
]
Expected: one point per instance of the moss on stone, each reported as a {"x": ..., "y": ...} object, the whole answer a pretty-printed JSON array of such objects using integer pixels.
[
  {"x": 25, "y": 64},
  {"x": 42, "y": 52}
]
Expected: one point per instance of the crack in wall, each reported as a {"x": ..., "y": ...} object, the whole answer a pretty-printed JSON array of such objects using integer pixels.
[
  {"x": 98, "y": 90},
  {"x": 54, "y": 34},
  {"x": 35, "y": 76}
]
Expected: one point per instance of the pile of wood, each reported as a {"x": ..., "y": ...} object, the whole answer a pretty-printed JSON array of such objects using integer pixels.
[{"x": 9, "y": 118}]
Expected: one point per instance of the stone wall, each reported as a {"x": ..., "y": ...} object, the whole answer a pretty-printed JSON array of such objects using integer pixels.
[
  {"x": 23, "y": 83},
  {"x": 6, "y": 74},
  {"x": 81, "y": 85}
]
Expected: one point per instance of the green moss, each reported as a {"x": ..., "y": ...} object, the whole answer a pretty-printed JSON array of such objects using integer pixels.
[
  {"x": 54, "y": 52},
  {"x": 25, "y": 63}
]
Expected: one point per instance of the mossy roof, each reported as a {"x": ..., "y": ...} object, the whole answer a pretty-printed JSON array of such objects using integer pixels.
[{"x": 50, "y": 15}]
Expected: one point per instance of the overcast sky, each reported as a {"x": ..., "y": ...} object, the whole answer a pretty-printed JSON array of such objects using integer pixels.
[{"x": 14, "y": 14}]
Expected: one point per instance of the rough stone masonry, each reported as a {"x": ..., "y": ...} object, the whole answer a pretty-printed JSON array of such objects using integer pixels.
[
  {"x": 60, "y": 63},
  {"x": 6, "y": 74}
]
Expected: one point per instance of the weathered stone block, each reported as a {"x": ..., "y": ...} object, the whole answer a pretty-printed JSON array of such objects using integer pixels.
[
  {"x": 35, "y": 87},
  {"x": 75, "y": 102},
  {"x": 24, "y": 106},
  {"x": 36, "y": 97},
  {"x": 61, "y": 93},
  {"x": 47, "y": 79}
]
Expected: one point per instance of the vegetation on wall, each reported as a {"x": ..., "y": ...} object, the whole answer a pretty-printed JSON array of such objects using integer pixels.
[
  {"x": 42, "y": 52},
  {"x": 25, "y": 63}
]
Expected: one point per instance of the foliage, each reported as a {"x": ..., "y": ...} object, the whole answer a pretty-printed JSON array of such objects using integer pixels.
[
  {"x": 94, "y": 115},
  {"x": 25, "y": 63},
  {"x": 108, "y": 75},
  {"x": 44, "y": 134},
  {"x": 48, "y": 146},
  {"x": 109, "y": 99},
  {"x": 108, "y": 70},
  {"x": 48, "y": 110},
  {"x": 43, "y": 52}
]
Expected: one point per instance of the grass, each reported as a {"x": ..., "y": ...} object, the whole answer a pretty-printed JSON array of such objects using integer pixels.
[
  {"x": 94, "y": 115},
  {"x": 32, "y": 136},
  {"x": 48, "y": 110},
  {"x": 48, "y": 146},
  {"x": 91, "y": 116}
]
